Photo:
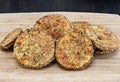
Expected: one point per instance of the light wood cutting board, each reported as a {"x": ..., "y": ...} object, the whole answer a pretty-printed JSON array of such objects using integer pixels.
[{"x": 104, "y": 68}]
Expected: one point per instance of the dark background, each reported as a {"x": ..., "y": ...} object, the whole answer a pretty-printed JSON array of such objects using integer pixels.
[{"x": 100, "y": 6}]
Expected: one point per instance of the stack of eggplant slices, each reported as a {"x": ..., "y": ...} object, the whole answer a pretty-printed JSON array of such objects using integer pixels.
[{"x": 55, "y": 37}]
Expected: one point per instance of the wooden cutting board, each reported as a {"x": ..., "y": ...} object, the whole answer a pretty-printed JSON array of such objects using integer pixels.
[{"x": 104, "y": 68}]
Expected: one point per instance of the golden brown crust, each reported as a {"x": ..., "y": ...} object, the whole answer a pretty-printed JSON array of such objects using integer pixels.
[
  {"x": 37, "y": 27},
  {"x": 79, "y": 26},
  {"x": 34, "y": 50},
  {"x": 9, "y": 40},
  {"x": 55, "y": 25},
  {"x": 90, "y": 33},
  {"x": 74, "y": 51}
]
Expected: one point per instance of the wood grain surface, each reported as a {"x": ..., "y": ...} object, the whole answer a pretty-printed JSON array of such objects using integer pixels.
[{"x": 104, "y": 68}]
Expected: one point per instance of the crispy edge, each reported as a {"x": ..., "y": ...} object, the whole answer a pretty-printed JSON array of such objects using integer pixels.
[{"x": 7, "y": 44}]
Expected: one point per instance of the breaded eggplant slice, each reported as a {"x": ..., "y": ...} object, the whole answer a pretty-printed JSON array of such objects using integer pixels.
[
  {"x": 74, "y": 51},
  {"x": 34, "y": 50},
  {"x": 55, "y": 25},
  {"x": 106, "y": 40},
  {"x": 9, "y": 40},
  {"x": 78, "y": 26}
]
